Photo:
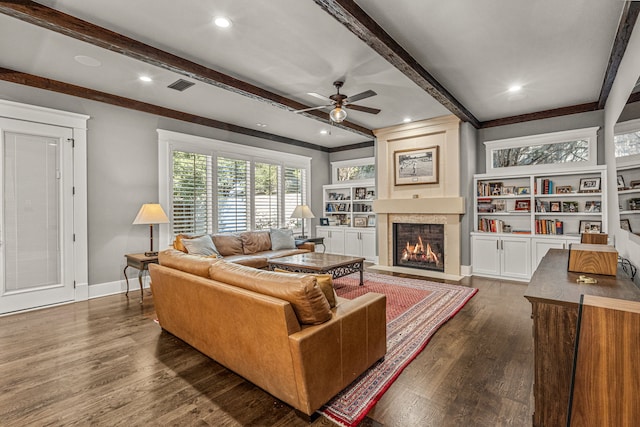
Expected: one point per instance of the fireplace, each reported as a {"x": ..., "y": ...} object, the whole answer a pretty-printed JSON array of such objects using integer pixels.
[{"x": 419, "y": 246}]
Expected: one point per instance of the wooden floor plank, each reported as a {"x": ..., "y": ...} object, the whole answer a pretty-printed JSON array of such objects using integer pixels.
[{"x": 106, "y": 362}]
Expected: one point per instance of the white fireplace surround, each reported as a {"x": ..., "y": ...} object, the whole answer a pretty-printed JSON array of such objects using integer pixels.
[
  {"x": 436, "y": 203},
  {"x": 445, "y": 211}
]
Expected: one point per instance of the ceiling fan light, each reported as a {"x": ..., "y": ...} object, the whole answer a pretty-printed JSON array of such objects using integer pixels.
[{"x": 338, "y": 114}]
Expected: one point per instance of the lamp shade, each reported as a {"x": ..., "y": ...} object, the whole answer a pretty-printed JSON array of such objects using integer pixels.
[
  {"x": 151, "y": 213},
  {"x": 302, "y": 211}
]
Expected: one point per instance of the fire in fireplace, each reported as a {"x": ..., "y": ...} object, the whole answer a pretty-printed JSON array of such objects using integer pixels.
[{"x": 419, "y": 246}]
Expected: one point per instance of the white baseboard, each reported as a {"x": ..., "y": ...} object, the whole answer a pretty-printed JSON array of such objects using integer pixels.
[
  {"x": 118, "y": 287},
  {"x": 82, "y": 292},
  {"x": 466, "y": 270}
]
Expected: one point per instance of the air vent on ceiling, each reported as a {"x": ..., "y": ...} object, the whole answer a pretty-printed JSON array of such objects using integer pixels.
[{"x": 180, "y": 85}]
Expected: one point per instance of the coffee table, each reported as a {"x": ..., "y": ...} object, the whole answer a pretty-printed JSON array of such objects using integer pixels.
[{"x": 315, "y": 262}]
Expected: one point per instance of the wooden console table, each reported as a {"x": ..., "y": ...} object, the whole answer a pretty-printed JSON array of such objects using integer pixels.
[{"x": 555, "y": 297}]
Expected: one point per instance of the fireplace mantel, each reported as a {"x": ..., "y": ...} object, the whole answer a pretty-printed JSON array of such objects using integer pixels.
[{"x": 431, "y": 205}]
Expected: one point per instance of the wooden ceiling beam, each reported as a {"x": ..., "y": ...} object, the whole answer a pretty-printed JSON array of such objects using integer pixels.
[
  {"x": 51, "y": 19},
  {"x": 625, "y": 28},
  {"x": 119, "y": 101},
  {"x": 349, "y": 14},
  {"x": 539, "y": 115}
]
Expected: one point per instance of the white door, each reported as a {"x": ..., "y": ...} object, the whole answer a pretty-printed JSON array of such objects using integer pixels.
[{"x": 36, "y": 220}]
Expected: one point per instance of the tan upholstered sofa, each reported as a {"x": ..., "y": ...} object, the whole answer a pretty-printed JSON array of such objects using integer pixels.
[
  {"x": 277, "y": 330},
  {"x": 251, "y": 248}
]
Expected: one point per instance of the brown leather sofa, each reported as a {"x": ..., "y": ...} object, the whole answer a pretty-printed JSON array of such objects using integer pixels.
[
  {"x": 277, "y": 330},
  {"x": 250, "y": 248}
]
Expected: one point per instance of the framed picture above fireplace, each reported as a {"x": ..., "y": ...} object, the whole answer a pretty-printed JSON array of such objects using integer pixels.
[{"x": 416, "y": 166}]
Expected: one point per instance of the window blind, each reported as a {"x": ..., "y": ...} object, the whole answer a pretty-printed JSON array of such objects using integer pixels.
[
  {"x": 191, "y": 197},
  {"x": 267, "y": 201},
  {"x": 233, "y": 196}
]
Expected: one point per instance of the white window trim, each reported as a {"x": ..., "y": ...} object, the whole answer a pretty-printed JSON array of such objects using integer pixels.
[
  {"x": 620, "y": 129},
  {"x": 347, "y": 163},
  {"x": 169, "y": 141},
  {"x": 589, "y": 134}
]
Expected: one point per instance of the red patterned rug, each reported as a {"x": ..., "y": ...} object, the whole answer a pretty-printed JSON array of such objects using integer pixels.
[{"x": 415, "y": 310}]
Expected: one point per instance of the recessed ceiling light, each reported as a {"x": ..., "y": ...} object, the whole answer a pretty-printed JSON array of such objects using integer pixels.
[
  {"x": 87, "y": 60},
  {"x": 515, "y": 88},
  {"x": 261, "y": 125},
  {"x": 145, "y": 78},
  {"x": 406, "y": 119},
  {"x": 222, "y": 21},
  {"x": 324, "y": 131}
]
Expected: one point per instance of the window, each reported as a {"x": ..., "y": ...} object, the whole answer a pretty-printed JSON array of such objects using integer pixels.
[
  {"x": 215, "y": 186},
  {"x": 191, "y": 205},
  {"x": 353, "y": 170},
  {"x": 570, "y": 149},
  {"x": 627, "y": 139}
]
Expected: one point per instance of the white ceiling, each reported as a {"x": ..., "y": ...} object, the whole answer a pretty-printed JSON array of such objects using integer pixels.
[{"x": 557, "y": 50}]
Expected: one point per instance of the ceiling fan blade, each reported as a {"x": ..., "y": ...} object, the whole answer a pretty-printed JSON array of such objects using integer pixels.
[
  {"x": 363, "y": 95},
  {"x": 363, "y": 109},
  {"x": 319, "y": 107},
  {"x": 317, "y": 95}
]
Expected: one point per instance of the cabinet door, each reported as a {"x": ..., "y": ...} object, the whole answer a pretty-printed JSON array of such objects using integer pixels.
[
  {"x": 324, "y": 232},
  {"x": 540, "y": 248},
  {"x": 352, "y": 243},
  {"x": 368, "y": 239},
  {"x": 336, "y": 242},
  {"x": 515, "y": 257},
  {"x": 485, "y": 253}
]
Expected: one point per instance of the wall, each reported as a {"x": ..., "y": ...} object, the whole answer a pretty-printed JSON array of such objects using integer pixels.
[
  {"x": 122, "y": 165},
  {"x": 468, "y": 165}
]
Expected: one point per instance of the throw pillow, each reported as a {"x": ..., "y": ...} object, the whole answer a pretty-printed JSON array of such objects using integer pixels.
[
  {"x": 202, "y": 245},
  {"x": 325, "y": 282},
  {"x": 282, "y": 239}
]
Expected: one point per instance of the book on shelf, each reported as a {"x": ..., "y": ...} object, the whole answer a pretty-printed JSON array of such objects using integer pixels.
[{"x": 549, "y": 226}]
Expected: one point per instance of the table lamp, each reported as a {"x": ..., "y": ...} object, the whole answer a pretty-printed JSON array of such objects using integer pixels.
[
  {"x": 151, "y": 213},
  {"x": 302, "y": 211}
]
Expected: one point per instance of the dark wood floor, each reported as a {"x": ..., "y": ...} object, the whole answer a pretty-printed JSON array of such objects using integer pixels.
[{"x": 106, "y": 362}]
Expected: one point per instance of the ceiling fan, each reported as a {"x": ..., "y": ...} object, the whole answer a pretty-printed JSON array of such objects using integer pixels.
[{"x": 340, "y": 101}]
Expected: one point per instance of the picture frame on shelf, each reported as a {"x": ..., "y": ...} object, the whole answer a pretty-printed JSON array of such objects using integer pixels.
[
  {"x": 416, "y": 166},
  {"x": 633, "y": 204},
  {"x": 571, "y": 207},
  {"x": 634, "y": 184},
  {"x": 360, "y": 193},
  {"x": 370, "y": 194},
  {"x": 589, "y": 185},
  {"x": 495, "y": 188},
  {"x": 620, "y": 182},
  {"x": 555, "y": 206},
  {"x": 625, "y": 225},
  {"x": 590, "y": 226},
  {"x": 324, "y": 221},
  {"x": 360, "y": 221},
  {"x": 523, "y": 205},
  {"x": 500, "y": 205},
  {"x": 371, "y": 221},
  {"x": 593, "y": 206},
  {"x": 509, "y": 190},
  {"x": 564, "y": 189},
  {"x": 522, "y": 190}
]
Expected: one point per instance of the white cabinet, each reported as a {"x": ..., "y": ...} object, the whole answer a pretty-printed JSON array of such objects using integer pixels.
[
  {"x": 519, "y": 217},
  {"x": 501, "y": 256},
  {"x": 540, "y": 246},
  {"x": 360, "y": 243},
  {"x": 333, "y": 238}
]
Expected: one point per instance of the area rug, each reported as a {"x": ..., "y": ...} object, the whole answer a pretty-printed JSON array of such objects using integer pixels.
[{"x": 415, "y": 310}]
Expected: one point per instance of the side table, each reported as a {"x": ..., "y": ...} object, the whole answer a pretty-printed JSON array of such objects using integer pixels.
[
  {"x": 140, "y": 262},
  {"x": 315, "y": 240}
]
